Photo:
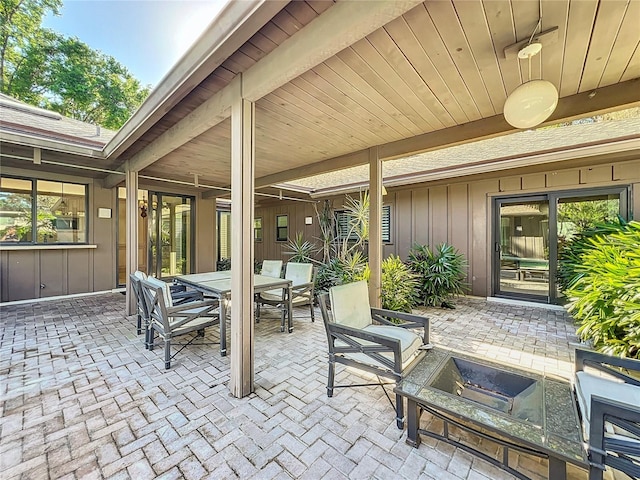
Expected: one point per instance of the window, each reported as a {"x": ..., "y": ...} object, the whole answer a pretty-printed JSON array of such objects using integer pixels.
[
  {"x": 344, "y": 225},
  {"x": 386, "y": 224},
  {"x": 282, "y": 228},
  {"x": 257, "y": 229},
  {"x": 42, "y": 211}
]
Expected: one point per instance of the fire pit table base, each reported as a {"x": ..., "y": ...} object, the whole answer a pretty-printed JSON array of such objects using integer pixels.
[
  {"x": 557, "y": 466},
  {"x": 519, "y": 410}
]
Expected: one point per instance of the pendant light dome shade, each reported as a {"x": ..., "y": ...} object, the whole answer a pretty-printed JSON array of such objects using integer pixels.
[{"x": 531, "y": 104}]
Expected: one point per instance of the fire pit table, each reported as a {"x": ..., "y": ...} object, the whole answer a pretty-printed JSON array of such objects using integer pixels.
[{"x": 517, "y": 409}]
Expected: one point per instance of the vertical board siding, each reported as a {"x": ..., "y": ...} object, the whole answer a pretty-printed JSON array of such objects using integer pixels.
[
  {"x": 404, "y": 220},
  {"x": 480, "y": 226},
  {"x": 459, "y": 214},
  {"x": 53, "y": 272},
  {"x": 78, "y": 268},
  {"x": 23, "y": 276},
  {"x": 421, "y": 218},
  {"x": 439, "y": 214}
]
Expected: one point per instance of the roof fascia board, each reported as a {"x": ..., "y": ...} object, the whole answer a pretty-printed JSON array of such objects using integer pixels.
[
  {"x": 615, "y": 147},
  {"x": 47, "y": 144},
  {"x": 614, "y": 97},
  {"x": 347, "y": 22},
  {"x": 231, "y": 28}
]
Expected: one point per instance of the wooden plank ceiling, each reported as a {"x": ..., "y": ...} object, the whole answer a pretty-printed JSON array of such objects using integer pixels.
[{"x": 438, "y": 66}]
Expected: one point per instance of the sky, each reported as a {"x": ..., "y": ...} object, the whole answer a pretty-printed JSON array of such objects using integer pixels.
[{"x": 146, "y": 36}]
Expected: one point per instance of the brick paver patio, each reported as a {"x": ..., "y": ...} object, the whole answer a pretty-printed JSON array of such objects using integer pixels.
[{"x": 82, "y": 398}]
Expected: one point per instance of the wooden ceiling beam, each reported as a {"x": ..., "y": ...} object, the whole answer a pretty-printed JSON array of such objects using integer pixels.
[
  {"x": 348, "y": 22},
  {"x": 614, "y": 97}
]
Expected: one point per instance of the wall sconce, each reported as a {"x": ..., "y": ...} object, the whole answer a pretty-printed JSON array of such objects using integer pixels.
[
  {"x": 143, "y": 208},
  {"x": 144, "y": 205}
]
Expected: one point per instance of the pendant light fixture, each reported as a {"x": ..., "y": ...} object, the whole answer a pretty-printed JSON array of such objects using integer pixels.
[{"x": 535, "y": 100}]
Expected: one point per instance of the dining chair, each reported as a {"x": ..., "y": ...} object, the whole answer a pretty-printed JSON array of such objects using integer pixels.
[
  {"x": 302, "y": 276},
  {"x": 169, "y": 320},
  {"x": 271, "y": 268}
]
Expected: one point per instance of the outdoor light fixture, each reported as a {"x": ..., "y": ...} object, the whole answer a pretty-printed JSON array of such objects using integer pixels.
[
  {"x": 532, "y": 102},
  {"x": 143, "y": 204}
]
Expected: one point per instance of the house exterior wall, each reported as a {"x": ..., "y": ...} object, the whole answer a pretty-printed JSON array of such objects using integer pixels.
[
  {"x": 269, "y": 248},
  {"x": 459, "y": 212},
  {"x": 66, "y": 270},
  {"x": 28, "y": 272}
]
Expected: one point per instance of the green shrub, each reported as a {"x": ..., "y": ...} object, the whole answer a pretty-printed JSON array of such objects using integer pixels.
[
  {"x": 570, "y": 251},
  {"x": 399, "y": 285},
  {"x": 605, "y": 295},
  {"x": 441, "y": 273}
]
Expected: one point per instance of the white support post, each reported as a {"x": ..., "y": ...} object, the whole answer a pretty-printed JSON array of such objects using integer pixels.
[
  {"x": 132, "y": 234},
  {"x": 242, "y": 204},
  {"x": 375, "y": 227}
]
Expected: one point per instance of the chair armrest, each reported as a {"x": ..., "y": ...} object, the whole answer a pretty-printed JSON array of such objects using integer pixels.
[
  {"x": 184, "y": 296},
  {"x": 183, "y": 311},
  {"x": 176, "y": 287},
  {"x": 625, "y": 450},
  {"x": 601, "y": 362},
  {"x": 409, "y": 320},
  {"x": 302, "y": 288},
  {"x": 378, "y": 344}
]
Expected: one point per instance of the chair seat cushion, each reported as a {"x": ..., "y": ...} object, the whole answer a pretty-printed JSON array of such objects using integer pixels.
[
  {"x": 272, "y": 295},
  {"x": 196, "y": 324},
  {"x": 608, "y": 387},
  {"x": 410, "y": 344}
]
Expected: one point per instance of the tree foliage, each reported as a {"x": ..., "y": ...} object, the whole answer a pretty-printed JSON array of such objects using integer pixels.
[{"x": 44, "y": 68}]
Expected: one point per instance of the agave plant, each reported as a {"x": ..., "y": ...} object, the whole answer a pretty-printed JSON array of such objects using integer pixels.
[
  {"x": 441, "y": 273},
  {"x": 300, "y": 250}
]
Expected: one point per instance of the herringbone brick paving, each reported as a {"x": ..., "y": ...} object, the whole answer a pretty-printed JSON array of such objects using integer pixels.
[{"x": 81, "y": 398}]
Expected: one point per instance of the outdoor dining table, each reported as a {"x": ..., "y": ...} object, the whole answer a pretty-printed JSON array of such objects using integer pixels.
[{"x": 218, "y": 285}]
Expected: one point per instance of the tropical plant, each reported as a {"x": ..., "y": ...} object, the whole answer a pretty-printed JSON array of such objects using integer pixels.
[
  {"x": 351, "y": 267},
  {"x": 441, "y": 273},
  {"x": 327, "y": 232},
  {"x": 300, "y": 250},
  {"x": 605, "y": 294},
  {"x": 570, "y": 251},
  {"x": 357, "y": 211},
  {"x": 399, "y": 285}
]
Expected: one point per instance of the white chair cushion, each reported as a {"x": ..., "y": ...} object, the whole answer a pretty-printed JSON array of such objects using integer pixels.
[
  {"x": 166, "y": 291},
  {"x": 410, "y": 342},
  {"x": 350, "y": 304},
  {"x": 609, "y": 387},
  {"x": 271, "y": 268},
  {"x": 299, "y": 273},
  {"x": 275, "y": 295}
]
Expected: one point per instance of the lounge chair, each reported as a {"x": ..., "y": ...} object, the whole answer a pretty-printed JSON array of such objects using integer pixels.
[
  {"x": 608, "y": 394},
  {"x": 368, "y": 338}
]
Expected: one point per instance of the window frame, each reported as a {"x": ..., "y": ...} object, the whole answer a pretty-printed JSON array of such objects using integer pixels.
[
  {"x": 34, "y": 212},
  {"x": 257, "y": 229},
  {"x": 279, "y": 238},
  {"x": 386, "y": 211}
]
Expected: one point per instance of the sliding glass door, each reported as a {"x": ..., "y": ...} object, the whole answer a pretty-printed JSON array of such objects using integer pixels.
[
  {"x": 171, "y": 236},
  {"x": 529, "y": 230}
]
